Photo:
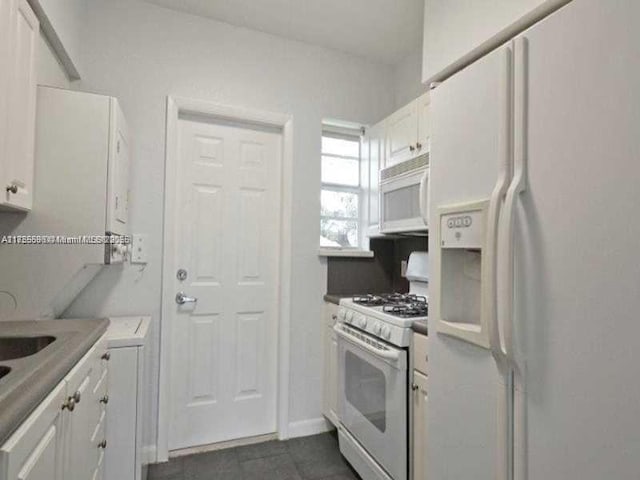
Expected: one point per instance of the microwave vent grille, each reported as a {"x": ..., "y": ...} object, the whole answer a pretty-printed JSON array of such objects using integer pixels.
[{"x": 404, "y": 167}]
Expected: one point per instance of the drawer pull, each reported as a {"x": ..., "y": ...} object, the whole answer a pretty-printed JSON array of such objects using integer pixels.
[
  {"x": 102, "y": 444},
  {"x": 106, "y": 356},
  {"x": 414, "y": 387},
  {"x": 105, "y": 399},
  {"x": 70, "y": 404}
]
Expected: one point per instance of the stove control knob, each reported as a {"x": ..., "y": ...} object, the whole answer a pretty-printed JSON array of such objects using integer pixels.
[
  {"x": 341, "y": 314},
  {"x": 377, "y": 329},
  {"x": 362, "y": 321},
  {"x": 385, "y": 332},
  {"x": 348, "y": 316}
]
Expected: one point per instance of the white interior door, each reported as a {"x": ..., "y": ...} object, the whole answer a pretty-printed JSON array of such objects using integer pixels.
[{"x": 227, "y": 224}]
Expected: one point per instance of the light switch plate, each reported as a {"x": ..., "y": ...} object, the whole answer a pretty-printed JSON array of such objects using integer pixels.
[{"x": 139, "y": 248}]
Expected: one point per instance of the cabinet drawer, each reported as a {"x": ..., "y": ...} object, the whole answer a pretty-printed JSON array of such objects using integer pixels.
[{"x": 421, "y": 353}]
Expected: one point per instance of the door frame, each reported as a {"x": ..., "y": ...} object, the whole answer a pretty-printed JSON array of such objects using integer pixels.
[{"x": 177, "y": 106}]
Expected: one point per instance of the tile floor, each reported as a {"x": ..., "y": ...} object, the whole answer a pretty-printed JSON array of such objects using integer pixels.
[{"x": 316, "y": 457}]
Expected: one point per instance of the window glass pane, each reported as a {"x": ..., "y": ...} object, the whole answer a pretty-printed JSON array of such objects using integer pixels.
[
  {"x": 341, "y": 146},
  {"x": 340, "y": 171},
  {"x": 339, "y": 204},
  {"x": 338, "y": 233}
]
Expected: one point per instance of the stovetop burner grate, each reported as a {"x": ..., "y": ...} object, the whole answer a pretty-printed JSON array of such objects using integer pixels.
[{"x": 403, "y": 305}]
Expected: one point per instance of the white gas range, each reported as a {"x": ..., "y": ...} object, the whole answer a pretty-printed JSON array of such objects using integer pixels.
[
  {"x": 374, "y": 333},
  {"x": 388, "y": 317}
]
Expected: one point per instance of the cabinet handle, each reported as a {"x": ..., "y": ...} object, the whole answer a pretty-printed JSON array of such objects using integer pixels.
[
  {"x": 105, "y": 399},
  {"x": 70, "y": 404},
  {"x": 76, "y": 397},
  {"x": 418, "y": 145},
  {"x": 102, "y": 444},
  {"x": 12, "y": 189},
  {"x": 334, "y": 317},
  {"x": 411, "y": 148},
  {"x": 106, "y": 356},
  {"x": 414, "y": 387}
]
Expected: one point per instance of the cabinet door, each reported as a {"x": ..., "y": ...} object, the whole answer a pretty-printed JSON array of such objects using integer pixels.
[
  {"x": 120, "y": 461},
  {"x": 80, "y": 424},
  {"x": 376, "y": 160},
  {"x": 18, "y": 158},
  {"x": 118, "y": 171},
  {"x": 402, "y": 134},
  {"x": 424, "y": 123},
  {"x": 34, "y": 451},
  {"x": 6, "y": 7},
  {"x": 330, "y": 397},
  {"x": 419, "y": 426}
]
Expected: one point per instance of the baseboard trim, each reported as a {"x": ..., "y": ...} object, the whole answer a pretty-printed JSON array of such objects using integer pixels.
[
  {"x": 313, "y": 426},
  {"x": 222, "y": 445}
]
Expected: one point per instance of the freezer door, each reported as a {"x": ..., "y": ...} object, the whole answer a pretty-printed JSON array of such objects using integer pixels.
[
  {"x": 468, "y": 128},
  {"x": 577, "y": 231}
]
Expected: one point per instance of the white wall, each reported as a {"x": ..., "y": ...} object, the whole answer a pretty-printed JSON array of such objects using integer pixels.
[
  {"x": 141, "y": 53},
  {"x": 407, "y": 79},
  {"x": 62, "y": 22},
  {"x": 50, "y": 71}
]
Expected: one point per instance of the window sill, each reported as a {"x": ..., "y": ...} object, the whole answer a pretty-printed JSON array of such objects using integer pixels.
[{"x": 337, "y": 252}]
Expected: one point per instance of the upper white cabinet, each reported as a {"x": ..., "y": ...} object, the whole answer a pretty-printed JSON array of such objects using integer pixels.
[
  {"x": 424, "y": 123},
  {"x": 457, "y": 32},
  {"x": 408, "y": 131},
  {"x": 376, "y": 142},
  {"x": 19, "y": 34},
  {"x": 402, "y": 134}
]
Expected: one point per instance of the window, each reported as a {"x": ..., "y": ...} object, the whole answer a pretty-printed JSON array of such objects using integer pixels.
[{"x": 341, "y": 190}]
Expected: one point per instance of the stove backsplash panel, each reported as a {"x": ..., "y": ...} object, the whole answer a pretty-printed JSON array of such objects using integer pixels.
[{"x": 380, "y": 274}]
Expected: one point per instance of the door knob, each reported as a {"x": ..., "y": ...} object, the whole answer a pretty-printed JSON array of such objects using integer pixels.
[{"x": 182, "y": 298}]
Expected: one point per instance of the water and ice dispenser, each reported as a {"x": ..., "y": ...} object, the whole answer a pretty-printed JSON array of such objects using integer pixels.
[{"x": 460, "y": 265}]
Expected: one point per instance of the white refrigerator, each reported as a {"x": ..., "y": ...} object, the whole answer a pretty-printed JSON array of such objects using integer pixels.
[{"x": 535, "y": 238}]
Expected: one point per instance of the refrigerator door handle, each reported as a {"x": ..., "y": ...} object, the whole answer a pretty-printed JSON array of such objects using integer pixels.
[
  {"x": 497, "y": 197},
  {"x": 517, "y": 186}
]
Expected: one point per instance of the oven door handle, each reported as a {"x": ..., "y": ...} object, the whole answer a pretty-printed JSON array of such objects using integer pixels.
[{"x": 389, "y": 355}]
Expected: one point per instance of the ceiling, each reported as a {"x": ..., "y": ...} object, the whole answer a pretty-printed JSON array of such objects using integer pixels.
[{"x": 381, "y": 30}]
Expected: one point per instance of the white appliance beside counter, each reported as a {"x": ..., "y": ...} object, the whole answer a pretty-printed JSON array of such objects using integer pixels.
[
  {"x": 82, "y": 181},
  {"x": 373, "y": 338}
]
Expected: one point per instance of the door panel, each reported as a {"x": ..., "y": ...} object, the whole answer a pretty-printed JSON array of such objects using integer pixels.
[
  {"x": 463, "y": 378},
  {"x": 227, "y": 230},
  {"x": 577, "y": 227},
  {"x": 21, "y": 103},
  {"x": 402, "y": 134}
]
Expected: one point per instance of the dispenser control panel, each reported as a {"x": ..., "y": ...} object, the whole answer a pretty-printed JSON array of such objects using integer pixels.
[{"x": 462, "y": 229}]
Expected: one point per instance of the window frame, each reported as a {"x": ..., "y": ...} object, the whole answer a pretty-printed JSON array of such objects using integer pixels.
[{"x": 351, "y": 134}]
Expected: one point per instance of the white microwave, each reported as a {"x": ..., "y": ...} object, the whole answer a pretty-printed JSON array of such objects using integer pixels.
[{"x": 404, "y": 194}]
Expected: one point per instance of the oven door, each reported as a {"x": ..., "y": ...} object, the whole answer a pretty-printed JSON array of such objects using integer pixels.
[
  {"x": 404, "y": 203},
  {"x": 372, "y": 397}
]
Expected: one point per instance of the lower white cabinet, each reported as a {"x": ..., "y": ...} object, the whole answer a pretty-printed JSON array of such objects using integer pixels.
[
  {"x": 64, "y": 437},
  {"x": 126, "y": 338},
  {"x": 330, "y": 388},
  {"x": 420, "y": 402}
]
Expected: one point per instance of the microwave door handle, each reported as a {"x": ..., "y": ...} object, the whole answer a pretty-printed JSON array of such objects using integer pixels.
[
  {"x": 388, "y": 354},
  {"x": 424, "y": 197}
]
